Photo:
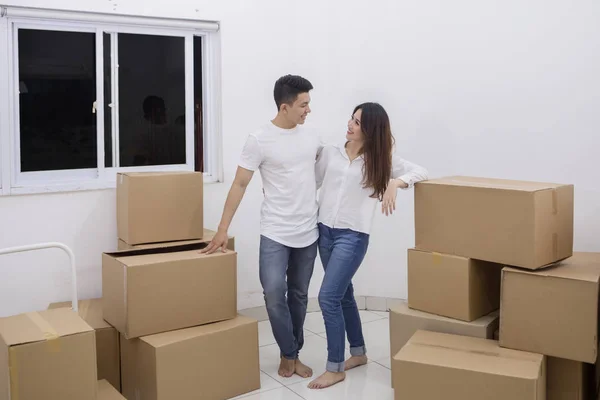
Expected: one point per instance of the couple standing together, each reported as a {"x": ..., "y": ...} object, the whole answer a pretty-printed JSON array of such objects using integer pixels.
[{"x": 352, "y": 177}]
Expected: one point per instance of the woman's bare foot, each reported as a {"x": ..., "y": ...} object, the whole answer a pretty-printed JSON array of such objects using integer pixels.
[
  {"x": 286, "y": 367},
  {"x": 327, "y": 379},
  {"x": 356, "y": 361},
  {"x": 303, "y": 370}
]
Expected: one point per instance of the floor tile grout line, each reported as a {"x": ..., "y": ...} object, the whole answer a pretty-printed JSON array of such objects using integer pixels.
[
  {"x": 296, "y": 393},
  {"x": 245, "y": 396},
  {"x": 377, "y": 362}
]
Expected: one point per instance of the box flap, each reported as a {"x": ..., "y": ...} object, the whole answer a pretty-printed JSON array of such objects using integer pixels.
[
  {"x": 107, "y": 392},
  {"x": 138, "y": 257},
  {"x": 89, "y": 310},
  {"x": 39, "y": 326},
  {"x": 581, "y": 267},
  {"x": 167, "y": 338},
  {"x": 402, "y": 308},
  {"x": 437, "y": 254},
  {"x": 471, "y": 354},
  {"x": 490, "y": 183}
]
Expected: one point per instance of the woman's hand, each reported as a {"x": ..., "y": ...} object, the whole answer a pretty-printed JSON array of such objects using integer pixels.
[{"x": 388, "y": 204}]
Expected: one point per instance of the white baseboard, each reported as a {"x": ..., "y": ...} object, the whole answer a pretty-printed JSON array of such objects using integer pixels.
[{"x": 369, "y": 303}]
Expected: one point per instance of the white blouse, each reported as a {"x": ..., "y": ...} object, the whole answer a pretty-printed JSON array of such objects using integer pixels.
[{"x": 343, "y": 201}]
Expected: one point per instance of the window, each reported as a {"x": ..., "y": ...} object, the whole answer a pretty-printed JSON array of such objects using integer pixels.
[{"x": 89, "y": 98}]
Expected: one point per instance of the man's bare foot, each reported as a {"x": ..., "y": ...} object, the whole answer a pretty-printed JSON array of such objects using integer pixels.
[
  {"x": 286, "y": 368},
  {"x": 327, "y": 379},
  {"x": 303, "y": 370},
  {"x": 356, "y": 361}
]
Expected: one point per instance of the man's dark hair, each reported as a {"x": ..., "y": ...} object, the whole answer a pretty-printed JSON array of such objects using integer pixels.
[{"x": 288, "y": 87}]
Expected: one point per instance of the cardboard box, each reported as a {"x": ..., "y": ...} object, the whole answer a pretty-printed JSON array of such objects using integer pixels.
[
  {"x": 208, "y": 236},
  {"x": 48, "y": 355},
  {"x": 159, "y": 290},
  {"x": 452, "y": 286},
  {"x": 404, "y": 322},
  {"x": 569, "y": 380},
  {"x": 107, "y": 339},
  {"x": 107, "y": 392},
  {"x": 435, "y": 366},
  {"x": 553, "y": 311},
  {"x": 523, "y": 224},
  {"x": 157, "y": 207},
  {"x": 209, "y": 362}
]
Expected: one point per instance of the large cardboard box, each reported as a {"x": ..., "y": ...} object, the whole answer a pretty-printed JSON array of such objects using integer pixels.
[
  {"x": 404, "y": 322},
  {"x": 209, "y": 362},
  {"x": 435, "y": 366},
  {"x": 48, "y": 355},
  {"x": 553, "y": 311},
  {"x": 206, "y": 238},
  {"x": 452, "y": 286},
  {"x": 523, "y": 224},
  {"x": 158, "y": 290},
  {"x": 107, "y": 340},
  {"x": 107, "y": 392},
  {"x": 157, "y": 207}
]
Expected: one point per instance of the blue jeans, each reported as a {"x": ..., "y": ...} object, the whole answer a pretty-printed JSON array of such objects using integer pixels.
[
  {"x": 276, "y": 263},
  {"x": 342, "y": 251}
]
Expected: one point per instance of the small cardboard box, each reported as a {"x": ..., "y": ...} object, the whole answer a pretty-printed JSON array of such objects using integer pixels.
[
  {"x": 404, "y": 322},
  {"x": 208, "y": 236},
  {"x": 553, "y": 311},
  {"x": 48, "y": 355},
  {"x": 523, "y": 224},
  {"x": 433, "y": 366},
  {"x": 107, "y": 340},
  {"x": 157, "y": 207},
  {"x": 452, "y": 286},
  {"x": 159, "y": 290},
  {"x": 107, "y": 392},
  {"x": 209, "y": 362}
]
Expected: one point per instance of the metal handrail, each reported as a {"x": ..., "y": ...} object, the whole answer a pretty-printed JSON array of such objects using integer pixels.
[{"x": 52, "y": 245}]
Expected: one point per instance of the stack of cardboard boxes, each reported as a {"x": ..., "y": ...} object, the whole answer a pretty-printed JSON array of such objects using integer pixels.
[
  {"x": 467, "y": 231},
  {"x": 167, "y": 325}
]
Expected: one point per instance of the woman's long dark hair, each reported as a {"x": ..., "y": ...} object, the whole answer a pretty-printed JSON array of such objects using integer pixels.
[{"x": 377, "y": 147}]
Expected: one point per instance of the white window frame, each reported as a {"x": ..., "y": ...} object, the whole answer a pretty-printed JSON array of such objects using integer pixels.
[{"x": 14, "y": 182}]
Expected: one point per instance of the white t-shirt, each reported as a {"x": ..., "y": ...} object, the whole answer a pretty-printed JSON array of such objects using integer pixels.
[
  {"x": 286, "y": 160},
  {"x": 343, "y": 201}
]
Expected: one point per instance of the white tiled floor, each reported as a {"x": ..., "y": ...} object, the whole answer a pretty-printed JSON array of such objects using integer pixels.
[{"x": 372, "y": 381}]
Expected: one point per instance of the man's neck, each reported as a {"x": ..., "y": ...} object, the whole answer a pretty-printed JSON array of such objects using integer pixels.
[{"x": 282, "y": 122}]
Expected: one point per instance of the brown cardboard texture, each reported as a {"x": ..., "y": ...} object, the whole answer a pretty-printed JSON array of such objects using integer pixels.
[
  {"x": 553, "y": 311},
  {"x": 523, "y": 224},
  {"x": 208, "y": 236},
  {"x": 452, "y": 286},
  {"x": 435, "y": 366},
  {"x": 107, "y": 392},
  {"x": 404, "y": 322},
  {"x": 568, "y": 380},
  {"x": 157, "y": 207},
  {"x": 48, "y": 355},
  {"x": 107, "y": 340},
  {"x": 191, "y": 363},
  {"x": 158, "y": 290}
]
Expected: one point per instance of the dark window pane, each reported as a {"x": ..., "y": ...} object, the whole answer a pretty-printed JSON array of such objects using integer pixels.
[
  {"x": 151, "y": 100},
  {"x": 108, "y": 155},
  {"x": 198, "y": 126},
  {"x": 57, "y": 81}
]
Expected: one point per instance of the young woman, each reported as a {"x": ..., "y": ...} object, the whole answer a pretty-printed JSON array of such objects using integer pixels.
[{"x": 353, "y": 178}]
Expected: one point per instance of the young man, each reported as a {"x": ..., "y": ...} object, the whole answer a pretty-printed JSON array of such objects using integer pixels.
[{"x": 285, "y": 154}]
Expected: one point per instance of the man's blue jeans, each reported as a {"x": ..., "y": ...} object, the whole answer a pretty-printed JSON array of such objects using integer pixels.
[
  {"x": 288, "y": 270},
  {"x": 342, "y": 251}
]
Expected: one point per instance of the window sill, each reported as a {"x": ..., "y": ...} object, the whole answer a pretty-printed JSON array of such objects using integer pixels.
[{"x": 68, "y": 187}]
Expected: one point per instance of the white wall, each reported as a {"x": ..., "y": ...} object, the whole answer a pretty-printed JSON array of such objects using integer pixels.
[{"x": 502, "y": 89}]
